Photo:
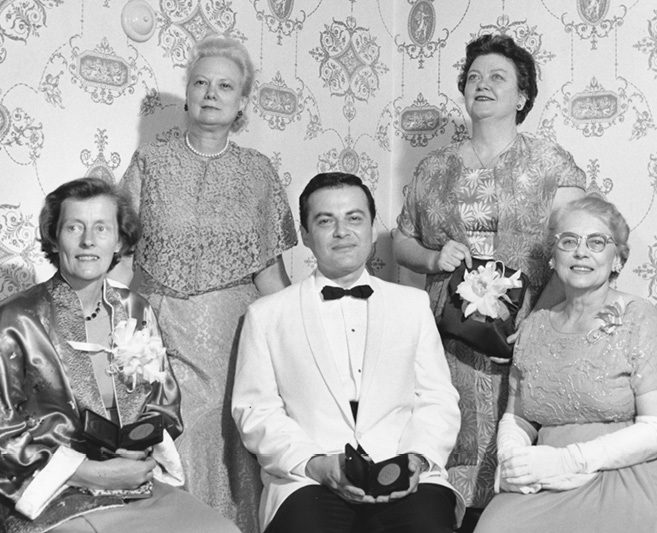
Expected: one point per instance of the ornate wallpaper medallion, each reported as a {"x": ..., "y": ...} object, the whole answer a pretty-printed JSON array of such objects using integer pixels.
[
  {"x": 595, "y": 109},
  {"x": 421, "y": 121},
  {"x": 21, "y": 136},
  {"x": 279, "y": 20},
  {"x": 349, "y": 160},
  {"x": 648, "y": 44},
  {"x": 594, "y": 25},
  {"x": 349, "y": 63},
  {"x": 103, "y": 74},
  {"x": 421, "y": 26},
  {"x": 276, "y": 103},
  {"x": 19, "y": 251},
  {"x": 99, "y": 166},
  {"x": 593, "y": 187},
  {"x": 20, "y": 19},
  {"x": 184, "y": 22},
  {"x": 592, "y": 11}
]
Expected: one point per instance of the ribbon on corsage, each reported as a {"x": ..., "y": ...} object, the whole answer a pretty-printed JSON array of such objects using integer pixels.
[
  {"x": 485, "y": 290},
  {"x": 138, "y": 355},
  {"x": 612, "y": 318}
]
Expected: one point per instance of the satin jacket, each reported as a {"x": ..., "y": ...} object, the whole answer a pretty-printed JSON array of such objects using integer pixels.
[{"x": 45, "y": 385}]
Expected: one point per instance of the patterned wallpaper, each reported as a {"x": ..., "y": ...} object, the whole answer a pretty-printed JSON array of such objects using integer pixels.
[{"x": 364, "y": 86}]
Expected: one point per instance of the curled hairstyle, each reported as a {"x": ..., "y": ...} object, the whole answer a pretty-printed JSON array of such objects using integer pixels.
[
  {"x": 333, "y": 180},
  {"x": 217, "y": 46},
  {"x": 84, "y": 189},
  {"x": 604, "y": 211},
  {"x": 524, "y": 63}
]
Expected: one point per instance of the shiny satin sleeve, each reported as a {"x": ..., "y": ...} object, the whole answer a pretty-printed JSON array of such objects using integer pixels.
[{"x": 36, "y": 412}]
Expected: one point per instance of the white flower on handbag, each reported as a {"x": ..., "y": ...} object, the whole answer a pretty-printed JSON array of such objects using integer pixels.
[
  {"x": 485, "y": 289},
  {"x": 138, "y": 355}
]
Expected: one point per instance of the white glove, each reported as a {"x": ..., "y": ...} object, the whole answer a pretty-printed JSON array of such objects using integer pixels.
[
  {"x": 626, "y": 447},
  {"x": 513, "y": 432},
  {"x": 534, "y": 464},
  {"x": 576, "y": 464}
]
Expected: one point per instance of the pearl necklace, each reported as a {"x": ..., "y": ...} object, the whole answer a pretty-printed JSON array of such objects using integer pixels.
[
  {"x": 201, "y": 154},
  {"x": 498, "y": 154}
]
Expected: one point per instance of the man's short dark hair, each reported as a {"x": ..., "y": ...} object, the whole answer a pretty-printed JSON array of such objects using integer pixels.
[{"x": 332, "y": 180}]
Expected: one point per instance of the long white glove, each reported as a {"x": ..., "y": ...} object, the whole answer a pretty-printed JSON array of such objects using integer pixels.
[
  {"x": 626, "y": 447},
  {"x": 576, "y": 464},
  {"x": 513, "y": 432}
]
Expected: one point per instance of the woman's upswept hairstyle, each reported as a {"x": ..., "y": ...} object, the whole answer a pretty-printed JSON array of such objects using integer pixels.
[
  {"x": 218, "y": 46},
  {"x": 522, "y": 59},
  {"x": 84, "y": 189},
  {"x": 604, "y": 211}
]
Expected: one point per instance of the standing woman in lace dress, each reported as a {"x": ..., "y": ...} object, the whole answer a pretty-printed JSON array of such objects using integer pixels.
[
  {"x": 216, "y": 220},
  {"x": 487, "y": 197}
]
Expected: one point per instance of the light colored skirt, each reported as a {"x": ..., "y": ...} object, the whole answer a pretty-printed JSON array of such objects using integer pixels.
[
  {"x": 169, "y": 510},
  {"x": 201, "y": 335},
  {"x": 615, "y": 501}
]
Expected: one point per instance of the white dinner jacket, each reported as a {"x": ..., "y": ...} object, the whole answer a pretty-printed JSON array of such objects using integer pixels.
[{"x": 289, "y": 403}]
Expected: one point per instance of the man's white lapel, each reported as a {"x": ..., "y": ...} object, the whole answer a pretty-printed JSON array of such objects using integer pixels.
[{"x": 319, "y": 345}]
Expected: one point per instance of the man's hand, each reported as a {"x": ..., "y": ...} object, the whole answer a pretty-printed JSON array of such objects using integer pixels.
[
  {"x": 118, "y": 473},
  {"x": 415, "y": 464},
  {"x": 329, "y": 471}
]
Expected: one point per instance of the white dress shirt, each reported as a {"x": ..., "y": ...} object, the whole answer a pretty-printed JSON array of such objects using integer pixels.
[{"x": 345, "y": 323}]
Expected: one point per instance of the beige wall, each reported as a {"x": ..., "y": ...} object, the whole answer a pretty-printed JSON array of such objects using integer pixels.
[{"x": 366, "y": 86}]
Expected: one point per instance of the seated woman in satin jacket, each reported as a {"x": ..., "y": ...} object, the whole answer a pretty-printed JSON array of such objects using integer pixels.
[{"x": 77, "y": 343}]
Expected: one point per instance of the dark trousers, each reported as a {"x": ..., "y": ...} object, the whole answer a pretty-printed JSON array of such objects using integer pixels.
[{"x": 315, "y": 509}]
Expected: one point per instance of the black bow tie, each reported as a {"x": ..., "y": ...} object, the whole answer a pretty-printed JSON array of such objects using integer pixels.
[{"x": 334, "y": 293}]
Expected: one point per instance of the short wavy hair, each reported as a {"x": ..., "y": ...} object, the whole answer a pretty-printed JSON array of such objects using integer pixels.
[
  {"x": 218, "y": 46},
  {"x": 333, "y": 180},
  {"x": 83, "y": 189},
  {"x": 522, "y": 59},
  {"x": 604, "y": 211}
]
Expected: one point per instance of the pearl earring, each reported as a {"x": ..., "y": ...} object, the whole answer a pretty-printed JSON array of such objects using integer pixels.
[
  {"x": 520, "y": 106},
  {"x": 551, "y": 263}
]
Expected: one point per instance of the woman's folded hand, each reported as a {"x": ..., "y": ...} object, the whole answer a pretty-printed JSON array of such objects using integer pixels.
[{"x": 117, "y": 473}]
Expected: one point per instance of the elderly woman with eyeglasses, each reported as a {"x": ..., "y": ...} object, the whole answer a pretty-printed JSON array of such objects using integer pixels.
[{"x": 578, "y": 442}]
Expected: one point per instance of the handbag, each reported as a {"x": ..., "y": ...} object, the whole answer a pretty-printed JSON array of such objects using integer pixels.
[{"x": 482, "y": 333}]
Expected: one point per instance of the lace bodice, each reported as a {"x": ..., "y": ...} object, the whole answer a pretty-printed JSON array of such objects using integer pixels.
[{"x": 207, "y": 223}]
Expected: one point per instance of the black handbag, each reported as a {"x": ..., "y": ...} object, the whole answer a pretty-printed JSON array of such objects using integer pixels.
[{"x": 482, "y": 333}]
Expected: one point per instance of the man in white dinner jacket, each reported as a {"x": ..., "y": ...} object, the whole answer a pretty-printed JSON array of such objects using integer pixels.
[{"x": 319, "y": 368}]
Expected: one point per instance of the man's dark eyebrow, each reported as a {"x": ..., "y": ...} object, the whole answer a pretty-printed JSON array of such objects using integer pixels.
[{"x": 322, "y": 214}]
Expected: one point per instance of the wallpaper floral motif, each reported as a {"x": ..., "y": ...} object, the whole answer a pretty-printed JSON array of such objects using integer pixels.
[{"x": 363, "y": 86}]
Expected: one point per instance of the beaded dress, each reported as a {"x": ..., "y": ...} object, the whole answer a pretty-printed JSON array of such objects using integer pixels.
[{"x": 579, "y": 387}]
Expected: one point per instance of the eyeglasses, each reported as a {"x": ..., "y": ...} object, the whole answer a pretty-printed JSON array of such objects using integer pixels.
[{"x": 596, "y": 242}]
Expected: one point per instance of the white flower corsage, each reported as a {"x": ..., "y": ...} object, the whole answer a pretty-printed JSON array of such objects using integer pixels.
[
  {"x": 485, "y": 289},
  {"x": 138, "y": 355},
  {"x": 612, "y": 318}
]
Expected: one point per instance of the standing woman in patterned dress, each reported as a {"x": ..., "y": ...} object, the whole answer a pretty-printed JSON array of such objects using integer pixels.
[
  {"x": 487, "y": 197},
  {"x": 216, "y": 220}
]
